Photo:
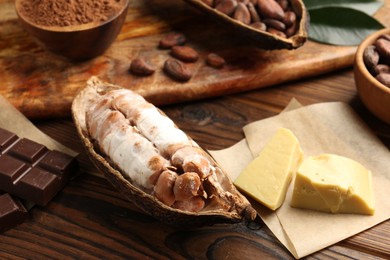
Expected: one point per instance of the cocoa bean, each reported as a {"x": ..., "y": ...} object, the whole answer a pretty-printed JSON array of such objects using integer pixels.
[
  {"x": 255, "y": 17},
  {"x": 289, "y": 18},
  {"x": 276, "y": 32},
  {"x": 184, "y": 53},
  {"x": 227, "y": 7},
  {"x": 259, "y": 26},
  {"x": 208, "y": 2},
  {"x": 270, "y": 9},
  {"x": 217, "y": 2},
  {"x": 381, "y": 68},
  {"x": 376, "y": 58},
  {"x": 290, "y": 31},
  {"x": 141, "y": 67},
  {"x": 276, "y": 24},
  {"x": 172, "y": 39},
  {"x": 383, "y": 48},
  {"x": 242, "y": 14},
  {"x": 370, "y": 57},
  {"x": 177, "y": 70},
  {"x": 284, "y": 4},
  {"x": 385, "y": 36},
  {"x": 214, "y": 60},
  {"x": 384, "y": 78}
]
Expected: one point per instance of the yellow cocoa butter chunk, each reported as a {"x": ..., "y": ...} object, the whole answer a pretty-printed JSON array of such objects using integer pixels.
[
  {"x": 268, "y": 176},
  {"x": 335, "y": 184}
]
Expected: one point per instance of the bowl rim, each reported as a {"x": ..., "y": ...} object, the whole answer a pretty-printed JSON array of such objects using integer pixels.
[
  {"x": 70, "y": 28},
  {"x": 360, "y": 62}
]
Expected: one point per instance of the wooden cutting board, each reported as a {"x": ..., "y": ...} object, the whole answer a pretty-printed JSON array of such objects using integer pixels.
[{"x": 43, "y": 85}]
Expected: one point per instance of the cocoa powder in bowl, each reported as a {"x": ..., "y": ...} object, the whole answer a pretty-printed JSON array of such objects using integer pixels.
[
  {"x": 69, "y": 12},
  {"x": 76, "y": 29}
]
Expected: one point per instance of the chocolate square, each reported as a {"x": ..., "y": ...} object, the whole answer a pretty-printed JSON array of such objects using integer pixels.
[
  {"x": 28, "y": 150},
  {"x": 6, "y": 139}
]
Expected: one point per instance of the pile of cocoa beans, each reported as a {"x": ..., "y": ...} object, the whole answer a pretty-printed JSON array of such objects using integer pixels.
[
  {"x": 273, "y": 16},
  {"x": 376, "y": 57},
  {"x": 176, "y": 66}
]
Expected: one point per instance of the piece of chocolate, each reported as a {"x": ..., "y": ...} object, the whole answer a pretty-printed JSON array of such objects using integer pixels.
[
  {"x": 12, "y": 212},
  {"x": 30, "y": 171}
]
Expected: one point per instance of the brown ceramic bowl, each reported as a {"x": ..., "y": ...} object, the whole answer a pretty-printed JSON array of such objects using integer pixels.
[
  {"x": 374, "y": 95},
  {"x": 77, "y": 42}
]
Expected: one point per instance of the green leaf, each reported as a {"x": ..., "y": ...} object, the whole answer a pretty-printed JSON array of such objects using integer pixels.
[
  {"x": 366, "y": 6},
  {"x": 341, "y": 26}
]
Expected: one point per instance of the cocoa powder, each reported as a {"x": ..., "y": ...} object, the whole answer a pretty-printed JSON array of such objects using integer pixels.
[{"x": 69, "y": 12}]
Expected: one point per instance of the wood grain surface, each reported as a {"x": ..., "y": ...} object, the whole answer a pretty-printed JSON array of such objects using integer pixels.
[
  {"x": 43, "y": 85},
  {"x": 89, "y": 219}
]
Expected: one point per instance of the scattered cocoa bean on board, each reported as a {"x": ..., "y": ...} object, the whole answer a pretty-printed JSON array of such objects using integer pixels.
[
  {"x": 177, "y": 70},
  {"x": 172, "y": 39},
  {"x": 214, "y": 60},
  {"x": 142, "y": 67},
  {"x": 184, "y": 53}
]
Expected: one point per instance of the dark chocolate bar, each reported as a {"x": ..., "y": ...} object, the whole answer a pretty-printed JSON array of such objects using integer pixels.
[
  {"x": 30, "y": 171},
  {"x": 12, "y": 212}
]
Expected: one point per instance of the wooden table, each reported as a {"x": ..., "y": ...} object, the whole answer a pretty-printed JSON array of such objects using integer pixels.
[{"x": 89, "y": 219}]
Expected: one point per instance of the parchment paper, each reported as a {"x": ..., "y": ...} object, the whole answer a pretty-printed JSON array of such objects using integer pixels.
[
  {"x": 321, "y": 128},
  {"x": 14, "y": 121}
]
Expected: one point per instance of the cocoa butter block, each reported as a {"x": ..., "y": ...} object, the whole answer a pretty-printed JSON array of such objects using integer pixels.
[
  {"x": 30, "y": 170},
  {"x": 12, "y": 212}
]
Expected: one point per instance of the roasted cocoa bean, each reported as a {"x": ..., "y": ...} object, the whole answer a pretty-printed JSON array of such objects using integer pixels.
[
  {"x": 381, "y": 68},
  {"x": 276, "y": 24},
  {"x": 289, "y": 18},
  {"x": 214, "y": 60},
  {"x": 172, "y": 39},
  {"x": 227, "y": 7},
  {"x": 141, "y": 67},
  {"x": 255, "y": 17},
  {"x": 217, "y": 2},
  {"x": 270, "y": 9},
  {"x": 284, "y": 4},
  {"x": 384, "y": 78},
  {"x": 290, "y": 31},
  {"x": 184, "y": 53},
  {"x": 242, "y": 14},
  {"x": 370, "y": 57},
  {"x": 177, "y": 70},
  {"x": 385, "y": 36},
  {"x": 259, "y": 26},
  {"x": 208, "y": 2},
  {"x": 276, "y": 32},
  {"x": 376, "y": 58},
  {"x": 383, "y": 48},
  {"x": 251, "y": 12}
]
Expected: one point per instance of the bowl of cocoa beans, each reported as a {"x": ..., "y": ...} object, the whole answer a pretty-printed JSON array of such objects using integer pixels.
[
  {"x": 78, "y": 30},
  {"x": 372, "y": 73}
]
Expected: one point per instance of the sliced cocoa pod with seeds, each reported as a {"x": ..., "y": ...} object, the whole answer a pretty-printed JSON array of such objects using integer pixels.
[{"x": 151, "y": 161}]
